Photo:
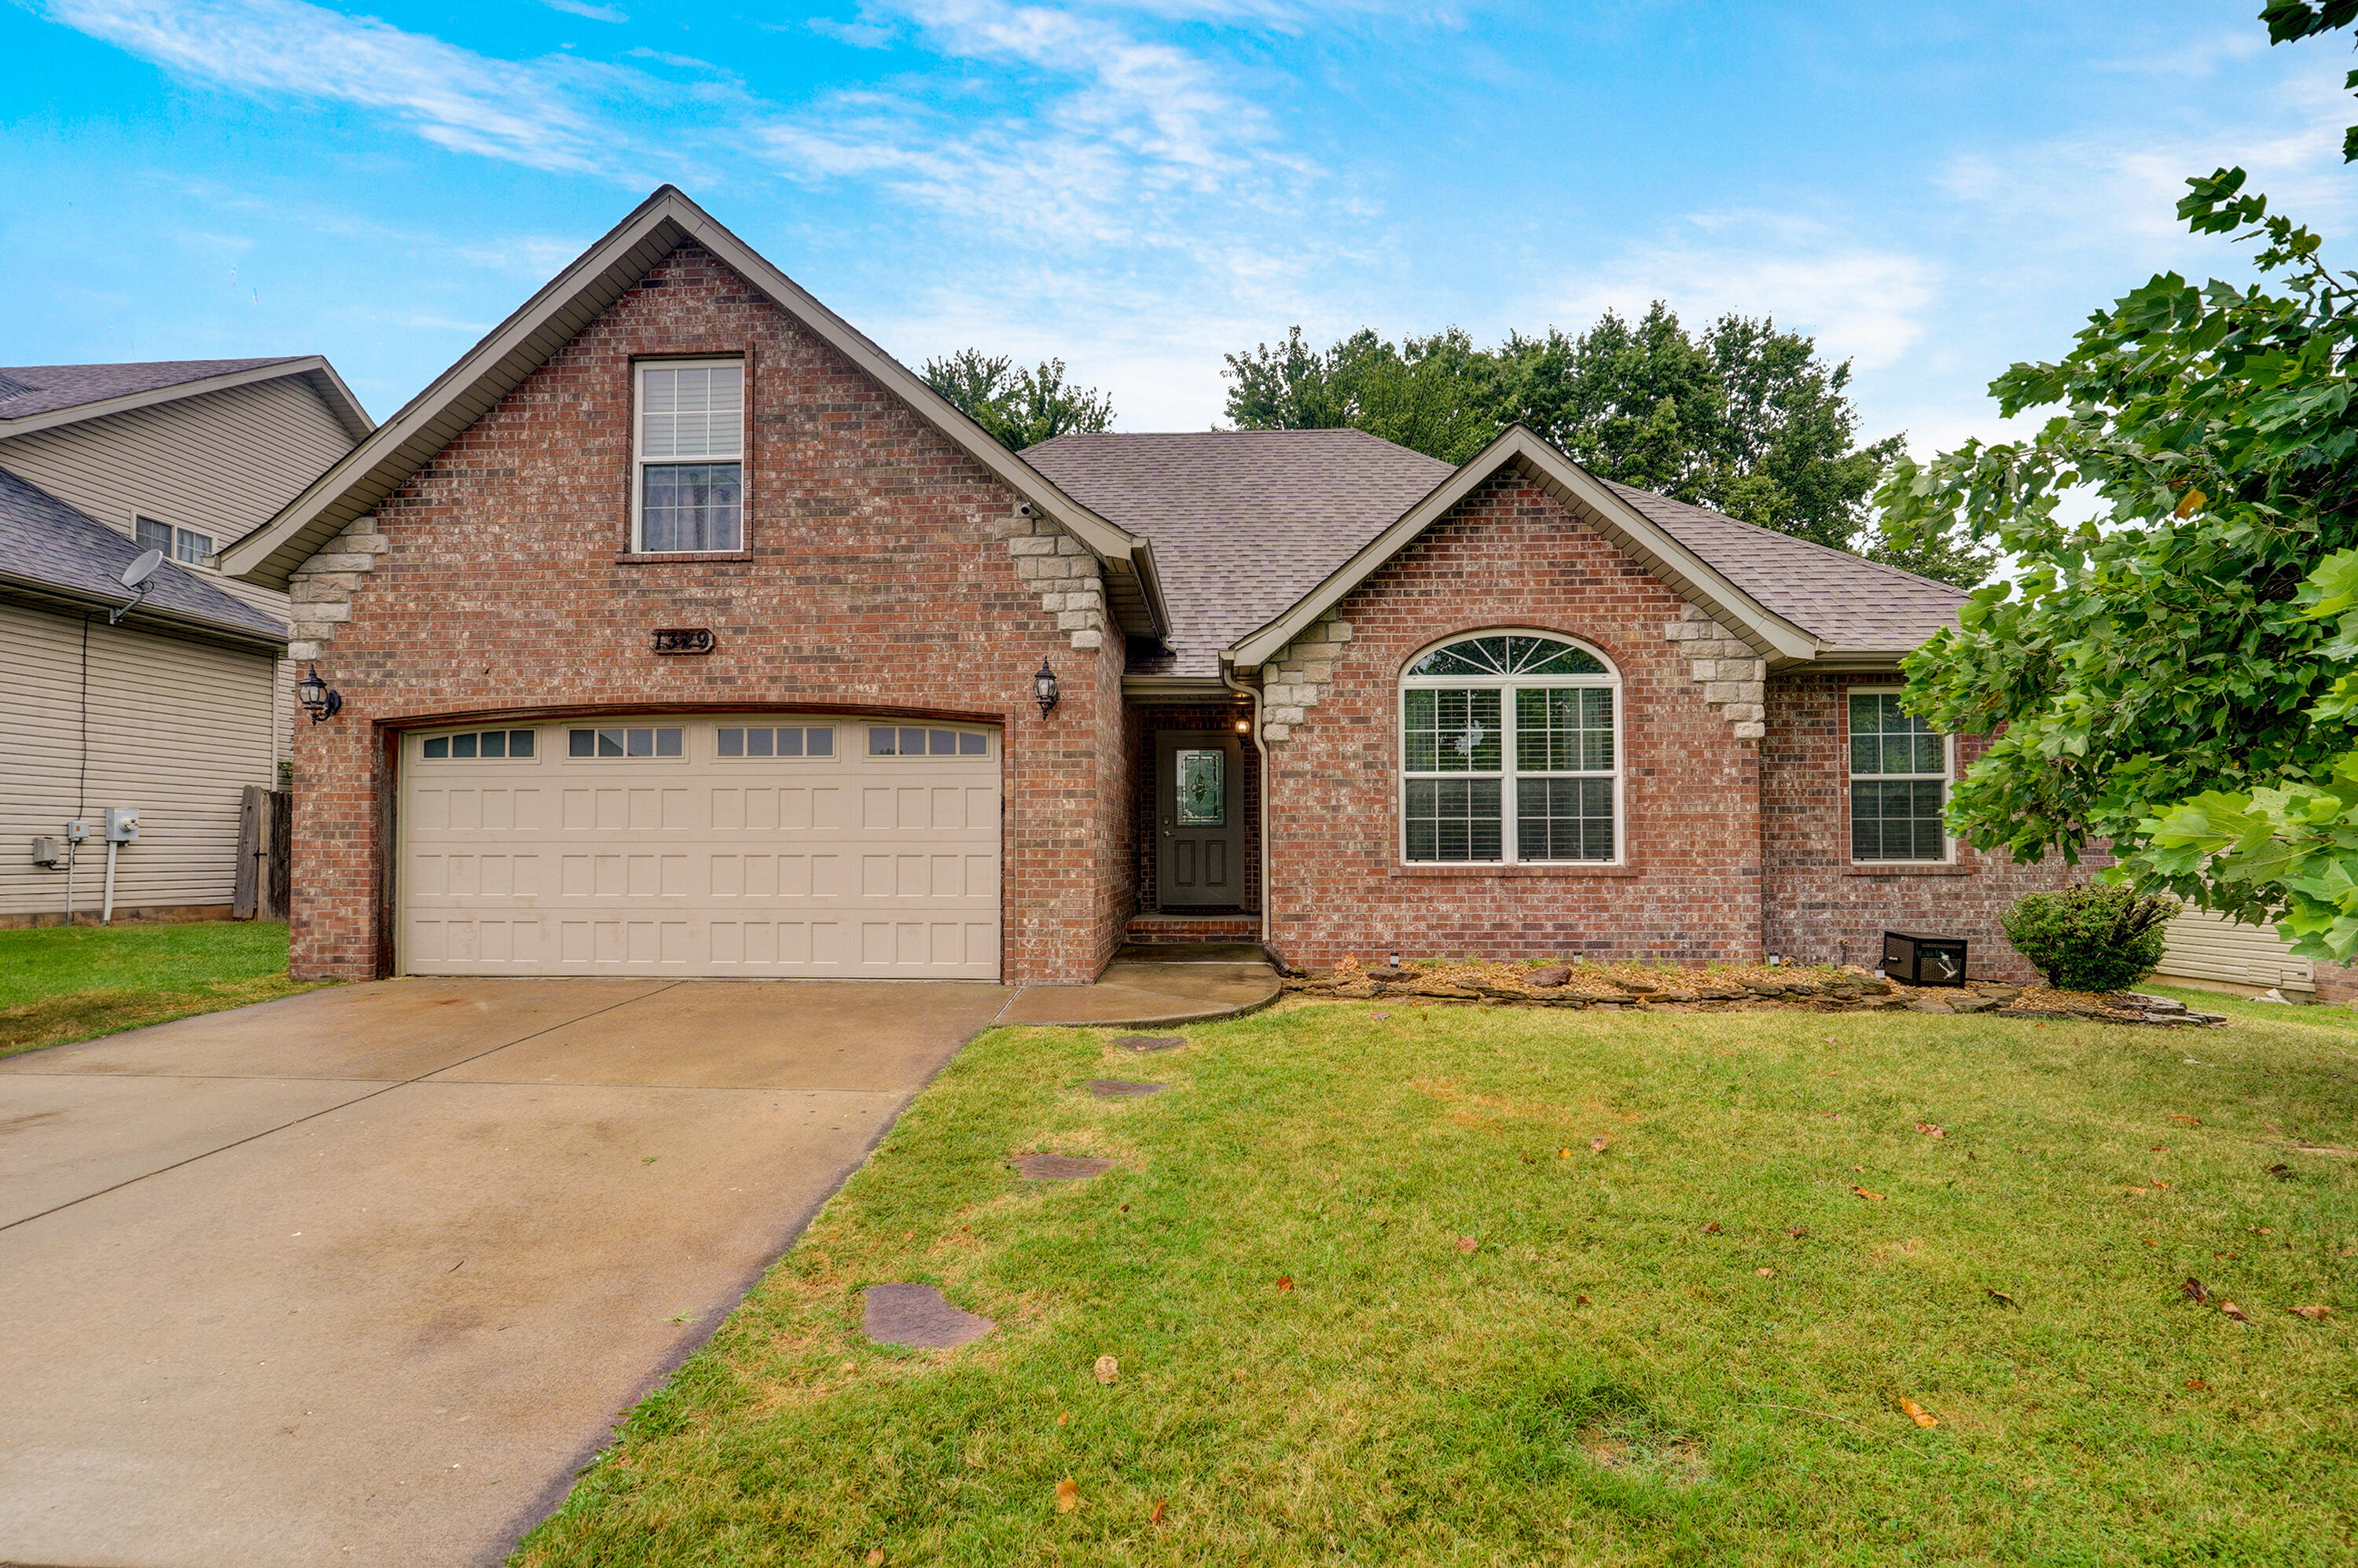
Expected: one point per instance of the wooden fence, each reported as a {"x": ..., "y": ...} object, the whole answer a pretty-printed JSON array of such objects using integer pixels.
[{"x": 263, "y": 823}]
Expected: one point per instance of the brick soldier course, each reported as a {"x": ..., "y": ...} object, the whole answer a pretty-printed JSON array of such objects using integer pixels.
[{"x": 474, "y": 561}]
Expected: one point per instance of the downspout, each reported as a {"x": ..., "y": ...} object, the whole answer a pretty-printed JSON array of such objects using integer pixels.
[{"x": 1260, "y": 751}]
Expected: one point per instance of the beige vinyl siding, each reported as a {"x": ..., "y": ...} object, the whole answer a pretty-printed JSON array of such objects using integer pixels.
[
  {"x": 177, "y": 729},
  {"x": 223, "y": 463},
  {"x": 2200, "y": 946}
]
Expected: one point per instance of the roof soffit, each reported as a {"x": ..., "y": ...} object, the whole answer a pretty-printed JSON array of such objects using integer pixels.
[
  {"x": 569, "y": 302},
  {"x": 1679, "y": 569}
]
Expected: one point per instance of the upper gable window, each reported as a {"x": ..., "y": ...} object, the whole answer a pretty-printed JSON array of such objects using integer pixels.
[
  {"x": 179, "y": 544},
  {"x": 690, "y": 425}
]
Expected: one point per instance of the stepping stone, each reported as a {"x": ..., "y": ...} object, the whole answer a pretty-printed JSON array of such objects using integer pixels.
[
  {"x": 1150, "y": 1041},
  {"x": 916, "y": 1314},
  {"x": 1120, "y": 1088},
  {"x": 1060, "y": 1167}
]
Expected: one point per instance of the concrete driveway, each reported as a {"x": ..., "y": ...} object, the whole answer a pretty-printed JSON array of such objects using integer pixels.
[{"x": 364, "y": 1276}]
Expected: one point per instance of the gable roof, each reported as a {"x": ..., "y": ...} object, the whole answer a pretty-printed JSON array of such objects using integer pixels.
[
  {"x": 1244, "y": 522},
  {"x": 1260, "y": 530},
  {"x": 57, "y": 552},
  {"x": 35, "y": 397},
  {"x": 1857, "y": 607},
  {"x": 545, "y": 323}
]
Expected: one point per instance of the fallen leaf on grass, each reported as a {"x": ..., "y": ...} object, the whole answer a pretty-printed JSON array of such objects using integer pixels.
[
  {"x": 1582, "y": 1300},
  {"x": 1563, "y": 1154},
  {"x": 2272, "y": 1126},
  {"x": 1064, "y": 1418},
  {"x": 1928, "y": 1131},
  {"x": 2197, "y": 1384},
  {"x": 2000, "y": 1296},
  {"x": 1068, "y": 1495},
  {"x": 2232, "y": 1310},
  {"x": 2193, "y": 1292},
  {"x": 1107, "y": 1369},
  {"x": 1467, "y": 1244},
  {"x": 2281, "y": 1173},
  {"x": 1918, "y": 1414},
  {"x": 1764, "y": 1273},
  {"x": 1711, "y": 1229},
  {"x": 2161, "y": 1148},
  {"x": 2314, "y": 1314},
  {"x": 1597, "y": 1144},
  {"x": 2157, "y": 1181},
  {"x": 1155, "y": 1517},
  {"x": 1285, "y": 1282},
  {"x": 875, "y": 1559},
  {"x": 1861, "y": 1191},
  {"x": 2189, "y": 1121},
  {"x": 1798, "y": 1232}
]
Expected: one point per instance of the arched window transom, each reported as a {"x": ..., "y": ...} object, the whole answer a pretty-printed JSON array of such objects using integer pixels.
[{"x": 1510, "y": 752}]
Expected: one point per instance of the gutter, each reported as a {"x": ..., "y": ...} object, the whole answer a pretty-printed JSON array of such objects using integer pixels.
[
  {"x": 157, "y": 620},
  {"x": 1261, "y": 750}
]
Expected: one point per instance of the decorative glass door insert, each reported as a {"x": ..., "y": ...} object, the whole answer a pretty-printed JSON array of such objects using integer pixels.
[{"x": 1203, "y": 794}]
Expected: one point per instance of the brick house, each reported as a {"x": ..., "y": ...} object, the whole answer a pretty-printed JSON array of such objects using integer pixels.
[{"x": 680, "y": 629}]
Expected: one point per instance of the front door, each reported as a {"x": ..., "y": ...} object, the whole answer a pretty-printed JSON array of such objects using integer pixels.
[{"x": 1199, "y": 857}]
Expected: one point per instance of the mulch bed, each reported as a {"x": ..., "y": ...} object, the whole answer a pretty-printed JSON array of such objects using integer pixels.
[{"x": 1727, "y": 988}]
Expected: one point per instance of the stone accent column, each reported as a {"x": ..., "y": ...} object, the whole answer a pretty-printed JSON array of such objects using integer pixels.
[
  {"x": 1292, "y": 684},
  {"x": 1733, "y": 674},
  {"x": 1062, "y": 571},
  {"x": 319, "y": 597}
]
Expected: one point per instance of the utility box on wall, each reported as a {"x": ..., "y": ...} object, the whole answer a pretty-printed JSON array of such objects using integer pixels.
[{"x": 1923, "y": 960}]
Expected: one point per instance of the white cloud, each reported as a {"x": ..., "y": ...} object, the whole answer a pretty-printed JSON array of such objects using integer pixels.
[
  {"x": 529, "y": 113},
  {"x": 1860, "y": 303},
  {"x": 583, "y": 9}
]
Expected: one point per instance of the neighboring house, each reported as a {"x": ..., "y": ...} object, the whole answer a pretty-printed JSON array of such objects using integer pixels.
[
  {"x": 177, "y": 707},
  {"x": 681, "y": 631}
]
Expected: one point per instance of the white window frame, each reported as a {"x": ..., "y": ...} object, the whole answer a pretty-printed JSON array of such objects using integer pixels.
[
  {"x": 173, "y": 532},
  {"x": 640, "y": 462},
  {"x": 1506, "y": 776},
  {"x": 539, "y": 745},
  {"x": 1947, "y": 777}
]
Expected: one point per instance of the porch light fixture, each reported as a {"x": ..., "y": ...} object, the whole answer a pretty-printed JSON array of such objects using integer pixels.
[
  {"x": 1044, "y": 688},
  {"x": 317, "y": 701},
  {"x": 1244, "y": 725}
]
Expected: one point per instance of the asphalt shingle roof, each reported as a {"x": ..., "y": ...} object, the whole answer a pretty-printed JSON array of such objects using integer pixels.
[
  {"x": 26, "y": 390},
  {"x": 44, "y": 540},
  {"x": 1246, "y": 522}
]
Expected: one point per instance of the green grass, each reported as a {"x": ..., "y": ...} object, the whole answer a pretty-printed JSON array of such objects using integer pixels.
[
  {"x": 1603, "y": 1380},
  {"x": 63, "y": 983},
  {"x": 2311, "y": 1015}
]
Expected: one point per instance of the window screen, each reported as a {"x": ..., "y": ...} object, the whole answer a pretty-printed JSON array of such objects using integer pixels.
[{"x": 1898, "y": 781}]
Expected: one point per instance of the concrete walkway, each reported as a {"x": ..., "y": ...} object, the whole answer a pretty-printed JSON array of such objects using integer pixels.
[
  {"x": 364, "y": 1276},
  {"x": 1149, "y": 985}
]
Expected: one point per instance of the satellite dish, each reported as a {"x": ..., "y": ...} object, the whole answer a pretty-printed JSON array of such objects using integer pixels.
[{"x": 143, "y": 568}]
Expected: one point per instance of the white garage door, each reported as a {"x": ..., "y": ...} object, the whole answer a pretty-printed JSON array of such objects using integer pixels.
[{"x": 765, "y": 846}]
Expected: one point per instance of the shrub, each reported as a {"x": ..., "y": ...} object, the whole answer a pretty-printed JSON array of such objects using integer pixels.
[{"x": 2088, "y": 938}]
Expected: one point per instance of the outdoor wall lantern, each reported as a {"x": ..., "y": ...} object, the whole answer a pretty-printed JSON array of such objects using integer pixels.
[
  {"x": 317, "y": 701},
  {"x": 1044, "y": 688}
]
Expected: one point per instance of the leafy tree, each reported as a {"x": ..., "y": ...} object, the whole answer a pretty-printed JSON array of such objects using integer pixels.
[
  {"x": 2174, "y": 676},
  {"x": 1744, "y": 418},
  {"x": 1020, "y": 408}
]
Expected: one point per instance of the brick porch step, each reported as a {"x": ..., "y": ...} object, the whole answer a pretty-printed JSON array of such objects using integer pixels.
[{"x": 1144, "y": 928}]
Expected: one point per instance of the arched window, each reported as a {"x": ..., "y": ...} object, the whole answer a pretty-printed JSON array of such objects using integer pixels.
[{"x": 1510, "y": 752}]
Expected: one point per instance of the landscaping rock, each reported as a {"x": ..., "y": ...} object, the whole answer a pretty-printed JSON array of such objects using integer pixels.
[
  {"x": 1120, "y": 1088},
  {"x": 1458, "y": 993},
  {"x": 1927, "y": 1005},
  {"x": 1359, "y": 990},
  {"x": 916, "y": 1314},
  {"x": 1150, "y": 1041},
  {"x": 1547, "y": 980},
  {"x": 1060, "y": 1167},
  {"x": 1388, "y": 973},
  {"x": 1638, "y": 987},
  {"x": 1973, "y": 1004}
]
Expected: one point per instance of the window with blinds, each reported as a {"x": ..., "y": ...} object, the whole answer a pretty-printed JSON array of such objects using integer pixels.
[{"x": 690, "y": 425}]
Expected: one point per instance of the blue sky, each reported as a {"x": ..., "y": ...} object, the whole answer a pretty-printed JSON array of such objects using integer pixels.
[{"x": 1933, "y": 190}]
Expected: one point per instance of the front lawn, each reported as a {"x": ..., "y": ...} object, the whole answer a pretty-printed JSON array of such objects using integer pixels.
[
  {"x": 1376, "y": 1293},
  {"x": 59, "y": 983}
]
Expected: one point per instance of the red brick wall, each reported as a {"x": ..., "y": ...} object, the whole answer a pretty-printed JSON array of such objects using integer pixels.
[
  {"x": 872, "y": 581},
  {"x": 1818, "y": 907},
  {"x": 1512, "y": 555}
]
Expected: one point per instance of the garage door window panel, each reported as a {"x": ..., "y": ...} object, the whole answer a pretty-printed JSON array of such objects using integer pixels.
[
  {"x": 787, "y": 740},
  {"x": 625, "y": 742},
  {"x": 902, "y": 740},
  {"x": 479, "y": 745}
]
